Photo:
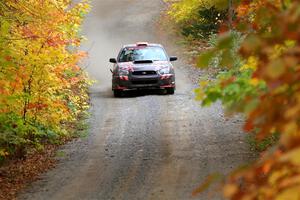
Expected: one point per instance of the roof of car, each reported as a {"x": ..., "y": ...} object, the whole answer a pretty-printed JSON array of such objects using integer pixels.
[{"x": 142, "y": 44}]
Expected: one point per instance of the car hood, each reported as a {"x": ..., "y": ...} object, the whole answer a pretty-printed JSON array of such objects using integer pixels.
[{"x": 155, "y": 66}]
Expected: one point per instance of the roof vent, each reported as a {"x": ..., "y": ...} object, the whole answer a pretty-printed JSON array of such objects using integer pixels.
[{"x": 139, "y": 44}]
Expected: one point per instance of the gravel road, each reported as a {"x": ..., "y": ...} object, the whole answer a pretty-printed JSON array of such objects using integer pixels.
[{"x": 145, "y": 146}]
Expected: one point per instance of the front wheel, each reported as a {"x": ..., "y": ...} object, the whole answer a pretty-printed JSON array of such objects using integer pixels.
[
  {"x": 170, "y": 90},
  {"x": 118, "y": 93}
]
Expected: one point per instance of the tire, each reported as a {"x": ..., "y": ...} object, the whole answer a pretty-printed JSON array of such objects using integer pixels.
[
  {"x": 118, "y": 93},
  {"x": 170, "y": 90}
]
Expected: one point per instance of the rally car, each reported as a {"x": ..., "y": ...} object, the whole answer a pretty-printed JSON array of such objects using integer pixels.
[{"x": 142, "y": 66}]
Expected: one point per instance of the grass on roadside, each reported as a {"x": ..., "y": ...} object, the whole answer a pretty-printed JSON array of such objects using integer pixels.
[{"x": 262, "y": 145}]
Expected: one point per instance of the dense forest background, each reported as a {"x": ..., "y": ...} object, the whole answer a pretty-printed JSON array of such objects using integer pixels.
[{"x": 43, "y": 91}]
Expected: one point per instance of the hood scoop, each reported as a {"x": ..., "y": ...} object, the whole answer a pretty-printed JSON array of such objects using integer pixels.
[{"x": 142, "y": 61}]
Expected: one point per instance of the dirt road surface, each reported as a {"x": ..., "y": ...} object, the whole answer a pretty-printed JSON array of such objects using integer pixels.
[{"x": 144, "y": 146}]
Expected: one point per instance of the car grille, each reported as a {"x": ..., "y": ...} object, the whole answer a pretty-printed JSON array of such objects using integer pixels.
[
  {"x": 141, "y": 73},
  {"x": 142, "y": 82}
]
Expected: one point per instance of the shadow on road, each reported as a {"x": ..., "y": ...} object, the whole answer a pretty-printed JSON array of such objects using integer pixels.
[
  {"x": 96, "y": 92},
  {"x": 140, "y": 93}
]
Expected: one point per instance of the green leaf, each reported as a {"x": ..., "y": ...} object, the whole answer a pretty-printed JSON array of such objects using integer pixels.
[
  {"x": 205, "y": 59},
  {"x": 225, "y": 42},
  {"x": 227, "y": 59},
  {"x": 4, "y": 27}
]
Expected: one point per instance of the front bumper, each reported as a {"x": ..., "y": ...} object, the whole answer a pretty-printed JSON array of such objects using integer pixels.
[{"x": 143, "y": 82}]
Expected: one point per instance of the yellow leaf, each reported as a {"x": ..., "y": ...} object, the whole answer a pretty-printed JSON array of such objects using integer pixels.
[
  {"x": 292, "y": 193},
  {"x": 275, "y": 69},
  {"x": 250, "y": 64},
  {"x": 275, "y": 176},
  {"x": 229, "y": 190},
  {"x": 291, "y": 128},
  {"x": 254, "y": 81},
  {"x": 3, "y": 153},
  {"x": 292, "y": 156}
]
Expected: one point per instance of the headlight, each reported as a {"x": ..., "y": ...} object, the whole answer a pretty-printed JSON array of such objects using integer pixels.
[
  {"x": 164, "y": 71},
  {"x": 123, "y": 72}
]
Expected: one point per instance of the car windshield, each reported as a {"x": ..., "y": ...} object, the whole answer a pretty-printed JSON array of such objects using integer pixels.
[{"x": 130, "y": 54}]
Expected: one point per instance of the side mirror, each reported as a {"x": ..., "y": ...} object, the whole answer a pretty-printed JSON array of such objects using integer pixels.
[
  {"x": 173, "y": 58},
  {"x": 112, "y": 60}
]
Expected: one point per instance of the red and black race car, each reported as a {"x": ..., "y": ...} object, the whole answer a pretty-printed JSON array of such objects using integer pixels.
[{"x": 142, "y": 66}]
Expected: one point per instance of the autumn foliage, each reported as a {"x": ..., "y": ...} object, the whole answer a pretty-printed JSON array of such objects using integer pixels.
[
  {"x": 197, "y": 19},
  {"x": 43, "y": 91},
  {"x": 258, "y": 57},
  {"x": 274, "y": 39}
]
